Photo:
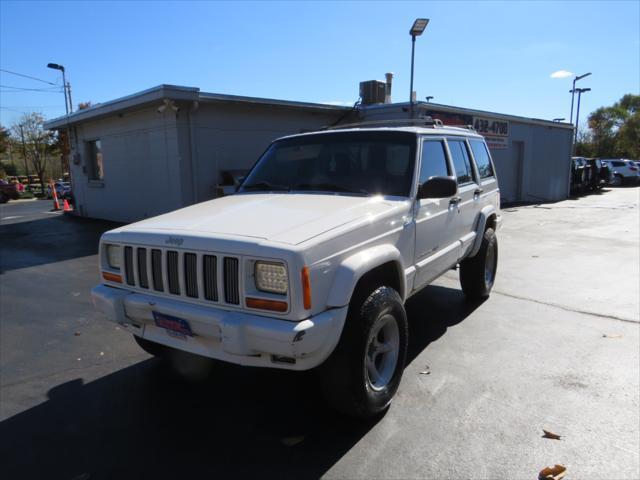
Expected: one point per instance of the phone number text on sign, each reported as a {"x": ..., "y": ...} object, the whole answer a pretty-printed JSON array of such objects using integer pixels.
[{"x": 487, "y": 126}]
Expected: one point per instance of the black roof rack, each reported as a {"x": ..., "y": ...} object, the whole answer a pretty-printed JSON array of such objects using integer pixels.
[{"x": 411, "y": 122}]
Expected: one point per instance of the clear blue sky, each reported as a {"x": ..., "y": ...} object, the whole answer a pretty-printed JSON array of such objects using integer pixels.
[{"x": 495, "y": 56}]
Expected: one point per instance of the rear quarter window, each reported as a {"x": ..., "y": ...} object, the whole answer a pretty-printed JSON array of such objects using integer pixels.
[{"x": 481, "y": 156}]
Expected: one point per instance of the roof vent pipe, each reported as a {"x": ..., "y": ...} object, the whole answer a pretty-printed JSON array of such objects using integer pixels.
[{"x": 387, "y": 95}]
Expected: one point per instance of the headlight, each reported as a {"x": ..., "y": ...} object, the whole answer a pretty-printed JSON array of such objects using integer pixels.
[
  {"x": 114, "y": 256},
  {"x": 271, "y": 277}
]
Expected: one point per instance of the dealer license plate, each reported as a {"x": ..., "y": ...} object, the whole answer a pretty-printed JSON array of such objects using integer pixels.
[{"x": 174, "y": 326}]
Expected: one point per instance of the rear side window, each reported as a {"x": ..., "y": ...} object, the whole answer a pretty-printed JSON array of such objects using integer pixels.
[
  {"x": 617, "y": 164},
  {"x": 461, "y": 161},
  {"x": 434, "y": 161},
  {"x": 481, "y": 156}
]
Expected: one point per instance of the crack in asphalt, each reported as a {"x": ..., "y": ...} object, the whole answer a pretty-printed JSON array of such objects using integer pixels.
[{"x": 569, "y": 309}]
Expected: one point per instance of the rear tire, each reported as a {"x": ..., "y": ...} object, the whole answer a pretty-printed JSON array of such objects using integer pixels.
[
  {"x": 618, "y": 180},
  {"x": 364, "y": 372},
  {"x": 478, "y": 273}
]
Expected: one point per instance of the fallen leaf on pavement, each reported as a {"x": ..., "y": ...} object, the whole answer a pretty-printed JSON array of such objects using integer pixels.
[
  {"x": 426, "y": 371},
  {"x": 551, "y": 435},
  {"x": 552, "y": 473},
  {"x": 611, "y": 335},
  {"x": 76, "y": 333},
  {"x": 292, "y": 441}
]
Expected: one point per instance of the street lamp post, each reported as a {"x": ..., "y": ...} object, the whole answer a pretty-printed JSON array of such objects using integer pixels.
[
  {"x": 417, "y": 29},
  {"x": 559, "y": 119},
  {"x": 68, "y": 106},
  {"x": 580, "y": 92},
  {"x": 65, "y": 86},
  {"x": 573, "y": 92}
]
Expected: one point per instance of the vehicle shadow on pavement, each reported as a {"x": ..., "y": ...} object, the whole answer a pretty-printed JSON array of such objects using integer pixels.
[
  {"x": 431, "y": 312},
  {"x": 146, "y": 422},
  {"x": 48, "y": 240}
]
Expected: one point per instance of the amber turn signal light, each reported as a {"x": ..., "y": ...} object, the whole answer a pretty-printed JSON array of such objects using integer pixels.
[
  {"x": 262, "y": 304},
  {"x": 112, "y": 277}
]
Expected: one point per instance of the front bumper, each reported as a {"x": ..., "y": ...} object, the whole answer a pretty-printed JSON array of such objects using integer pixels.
[{"x": 235, "y": 337}]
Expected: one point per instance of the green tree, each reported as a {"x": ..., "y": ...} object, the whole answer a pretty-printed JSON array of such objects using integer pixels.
[
  {"x": 615, "y": 130},
  {"x": 38, "y": 144},
  {"x": 5, "y": 138}
]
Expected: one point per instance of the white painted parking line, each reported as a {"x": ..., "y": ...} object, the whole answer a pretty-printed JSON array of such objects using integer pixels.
[
  {"x": 11, "y": 218},
  {"x": 54, "y": 213}
]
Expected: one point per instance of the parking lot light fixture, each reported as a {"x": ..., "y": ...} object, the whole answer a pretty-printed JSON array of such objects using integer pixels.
[
  {"x": 573, "y": 92},
  {"x": 67, "y": 103},
  {"x": 580, "y": 91},
  {"x": 418, "y": 27},
  {"x": 559, "y": 119}
]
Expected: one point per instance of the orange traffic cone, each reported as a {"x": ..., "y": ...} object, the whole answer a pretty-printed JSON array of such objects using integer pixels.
[
  {"x": 56, "y": 204},
  {"x": 66, "y": 206}
]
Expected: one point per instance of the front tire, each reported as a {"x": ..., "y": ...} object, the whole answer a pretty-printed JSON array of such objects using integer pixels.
[
  {"x": 478, "y": 273},
  {"x": 364, "y": 372}
]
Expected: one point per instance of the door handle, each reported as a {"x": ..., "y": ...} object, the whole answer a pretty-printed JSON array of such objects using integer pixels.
[
  {"x": 455, "y": 199},
  {"x": 478, "y": 191}
]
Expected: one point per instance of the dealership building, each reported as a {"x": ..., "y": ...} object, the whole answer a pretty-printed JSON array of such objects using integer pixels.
[{"x": 171, "y": 146}]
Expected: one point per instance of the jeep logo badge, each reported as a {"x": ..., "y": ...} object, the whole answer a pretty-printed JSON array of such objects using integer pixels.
[{"x": 174, "y": 241}]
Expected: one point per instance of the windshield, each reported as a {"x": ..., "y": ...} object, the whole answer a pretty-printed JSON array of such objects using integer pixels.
[{"x": 360, "y": 163}]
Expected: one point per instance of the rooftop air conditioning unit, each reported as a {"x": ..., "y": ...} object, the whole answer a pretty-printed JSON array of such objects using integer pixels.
[{"x": 372, "y": 91}]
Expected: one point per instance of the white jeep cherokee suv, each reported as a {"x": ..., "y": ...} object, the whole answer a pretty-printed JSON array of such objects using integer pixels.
[{"x": 310, "y": 262}]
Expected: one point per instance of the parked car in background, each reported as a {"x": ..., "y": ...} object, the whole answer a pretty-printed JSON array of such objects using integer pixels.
[
  {"x": 8, "y": 191},
  {"x": 579, "y": 174},
  {"x": 63, "y": 190},
  {"x": 599, "y": 173},
  {"x": 624, "y": 171}
]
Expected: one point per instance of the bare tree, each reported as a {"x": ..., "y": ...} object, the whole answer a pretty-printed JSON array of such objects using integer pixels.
[{"x": 38, "y": 144}]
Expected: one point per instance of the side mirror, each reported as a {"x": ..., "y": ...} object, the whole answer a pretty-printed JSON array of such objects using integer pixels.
[{"x": 438, "y": 187}]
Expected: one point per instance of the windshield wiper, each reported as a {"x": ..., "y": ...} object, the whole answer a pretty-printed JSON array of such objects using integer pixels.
[
  {"x": 267, "y": 186},
  {"x": 330, "y": 187}
]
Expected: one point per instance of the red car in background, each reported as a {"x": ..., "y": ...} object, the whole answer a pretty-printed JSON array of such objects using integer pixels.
[{"x": 8, "y": 191}]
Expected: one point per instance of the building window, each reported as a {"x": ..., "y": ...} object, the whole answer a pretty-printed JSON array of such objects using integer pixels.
[{"x": 95, "y": 165}]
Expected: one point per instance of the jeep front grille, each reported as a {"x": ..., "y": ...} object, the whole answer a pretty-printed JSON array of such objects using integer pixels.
[
  {"x": 231, "y": 293},
  {"x": 187, "y": 274}
]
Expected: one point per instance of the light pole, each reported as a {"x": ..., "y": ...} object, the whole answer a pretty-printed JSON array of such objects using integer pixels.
[
  {"x": 65, "y": 86},
  {"x": 68, "y": 106},
  {"x": 416, "y": 30},
  {"x": 580, "y": 92},
  {"x": 573, "y": 92},
  {"x": 559, "y": 119}
]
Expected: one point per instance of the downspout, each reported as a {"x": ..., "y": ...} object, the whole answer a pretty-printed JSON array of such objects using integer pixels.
[{"x": 193, "y": 154}]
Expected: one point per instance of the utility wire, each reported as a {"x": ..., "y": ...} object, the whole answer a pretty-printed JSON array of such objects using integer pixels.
[
  {"x": 55, "y": 89},
  {"x": 22, "y": 89},
  {"x": 12, "y": 109},
  {"x": 26, "y": 76}
]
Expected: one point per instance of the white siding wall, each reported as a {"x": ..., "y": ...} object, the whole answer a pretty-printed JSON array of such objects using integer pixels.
[
  {"x": 233, "y": 136},
  {"x": 141, "y": 166}
]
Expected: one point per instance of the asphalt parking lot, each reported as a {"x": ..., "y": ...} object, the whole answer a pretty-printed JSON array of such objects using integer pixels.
[{"x": 556, "y": 347}]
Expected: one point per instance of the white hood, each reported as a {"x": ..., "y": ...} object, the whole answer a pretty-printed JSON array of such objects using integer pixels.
[{"x": 290, "y": 218}]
